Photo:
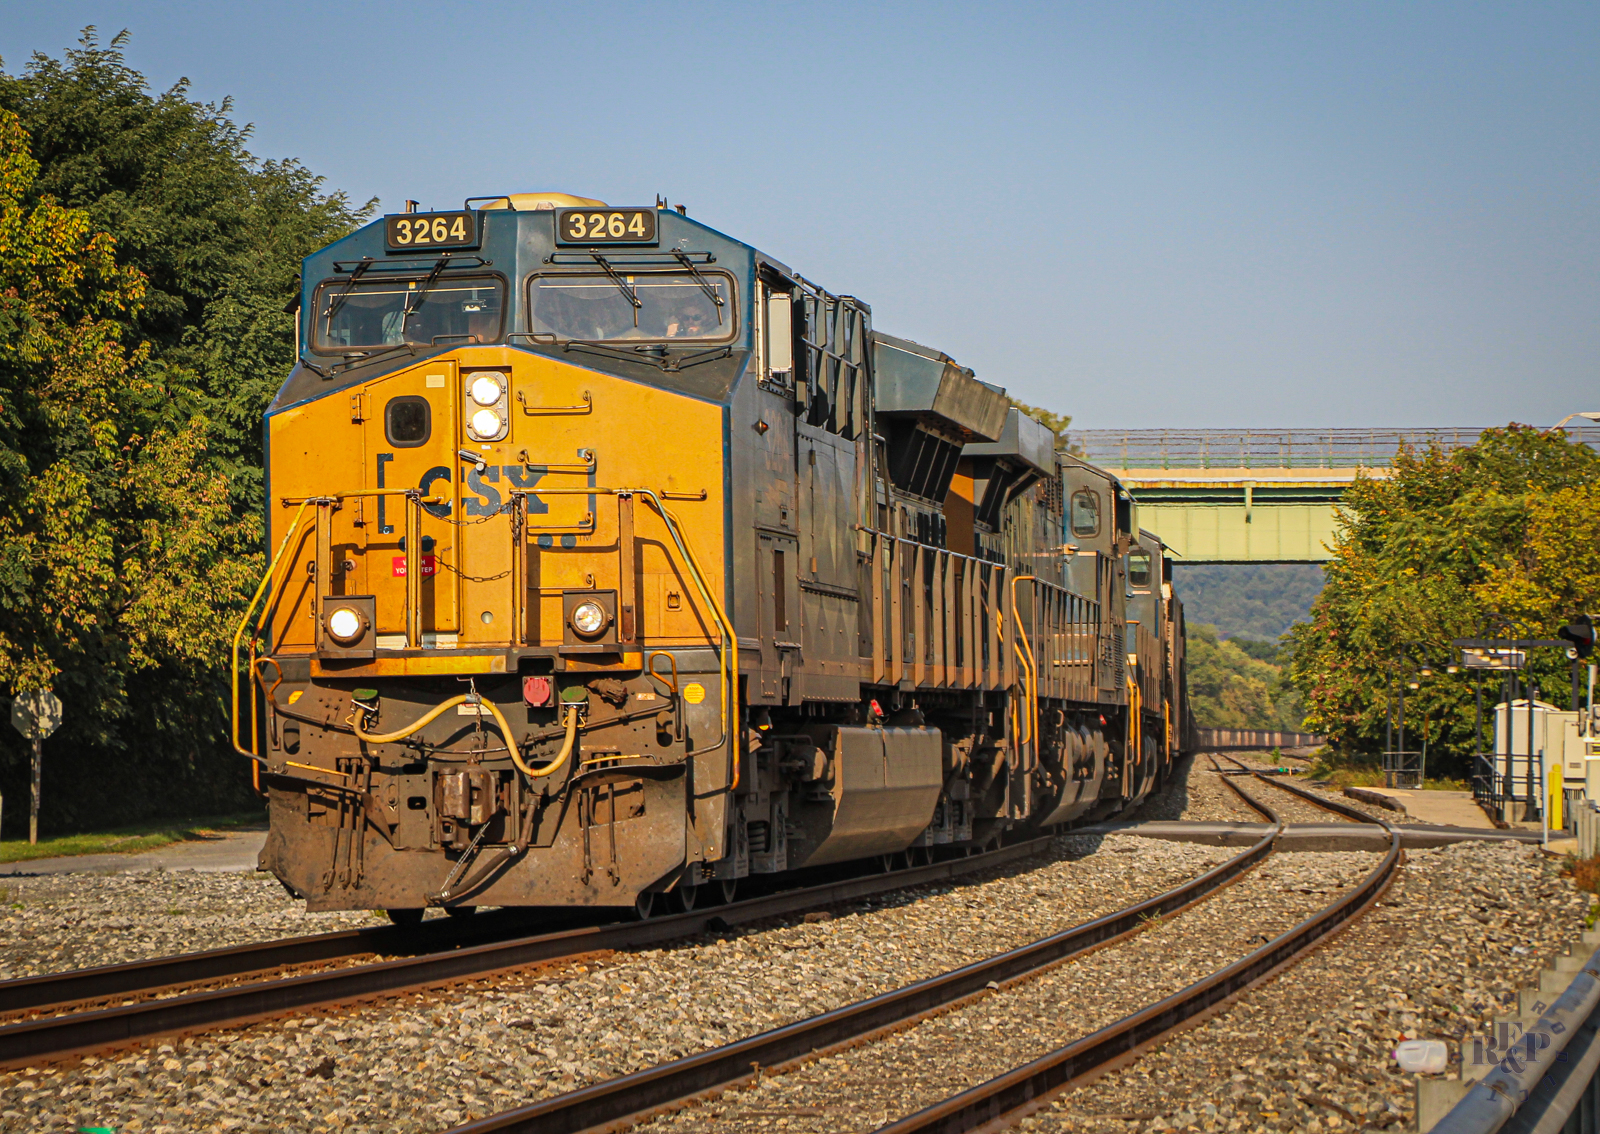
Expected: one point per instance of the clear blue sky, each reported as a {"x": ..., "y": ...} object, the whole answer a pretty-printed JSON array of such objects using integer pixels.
[{"x": 1140, "y": 214}]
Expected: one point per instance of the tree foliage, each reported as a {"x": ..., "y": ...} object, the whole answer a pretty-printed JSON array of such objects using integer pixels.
[
  {"x": 146, "y": 258},
  {"x": 217, "y": 233},
  {"x": 1235, "y": 684},
  {"x": 1449, "y": 545}
]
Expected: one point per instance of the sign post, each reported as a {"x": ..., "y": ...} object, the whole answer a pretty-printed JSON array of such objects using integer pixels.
[{"x": 36, "y": 715}]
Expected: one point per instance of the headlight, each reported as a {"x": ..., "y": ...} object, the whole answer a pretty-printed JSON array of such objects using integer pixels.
[
  {"x": 588, "y": 619},
  {"x": 485, "y": 390},
  {"x": 486, "y": 423},
  {"x": 344, "y": 626}
]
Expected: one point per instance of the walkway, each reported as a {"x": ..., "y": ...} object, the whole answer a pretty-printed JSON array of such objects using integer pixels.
[{"x": 234, "y": 849}]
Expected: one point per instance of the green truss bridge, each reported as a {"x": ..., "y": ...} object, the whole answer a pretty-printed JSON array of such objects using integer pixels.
[{"x": 1253, "y": 495}]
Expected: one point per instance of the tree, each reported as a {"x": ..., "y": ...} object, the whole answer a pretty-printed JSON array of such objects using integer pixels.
[
  {"x": 1446, "y": 546},
  {"x": 217, "y": 233},
  {"x": 146, "y": 258},
  {"x": 1231, "y": 686}
]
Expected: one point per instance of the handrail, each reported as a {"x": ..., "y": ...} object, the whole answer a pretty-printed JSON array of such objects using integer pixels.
[
  {"x": 238, "y": 635},
  {"x": 728, "y": 651},
  {"x": 1030, "y": 668}
]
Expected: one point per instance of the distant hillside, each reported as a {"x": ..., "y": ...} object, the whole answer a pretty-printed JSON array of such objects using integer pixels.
[
  {"x": 1247, "y": 600},
  {"x": 1238, "y": 684}
]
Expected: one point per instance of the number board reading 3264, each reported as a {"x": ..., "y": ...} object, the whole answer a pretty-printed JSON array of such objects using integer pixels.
[
  {"x": 606, "y": 226},
  {"x": 412, "y": 231}
]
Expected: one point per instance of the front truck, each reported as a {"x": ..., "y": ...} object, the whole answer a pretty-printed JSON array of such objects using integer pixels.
[{"x": 494, "y": 656}]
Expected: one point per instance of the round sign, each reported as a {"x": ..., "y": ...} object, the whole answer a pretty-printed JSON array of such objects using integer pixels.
[
  {"x": 694, "y": 692},
  {"x": 36, "y": 715}
]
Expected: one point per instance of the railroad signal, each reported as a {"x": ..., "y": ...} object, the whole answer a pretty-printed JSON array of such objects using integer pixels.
[
  {"x": 36, "y": 715},
  {"x": 1580, "y": 632}
]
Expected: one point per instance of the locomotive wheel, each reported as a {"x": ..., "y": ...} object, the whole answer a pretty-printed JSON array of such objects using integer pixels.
[
  {"x": 643, "y": 906},
  {"x": 685, "y": 898},
  {"x": 729, "y": 889},
  {"x": 922, "y": 856},
  {"x": 405, "y": 919},
  {"x": 461, "y": 911}
]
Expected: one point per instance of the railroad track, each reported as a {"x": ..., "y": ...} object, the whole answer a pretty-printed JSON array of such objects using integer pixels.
[
  {"x": 66, "y": 1034},
  {"x": 1343, "y": 810},
  {"x": 618, "y": 1103}
]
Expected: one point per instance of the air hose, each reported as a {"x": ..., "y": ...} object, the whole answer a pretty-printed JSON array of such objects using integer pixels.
[{"x": 431, "y": 715}]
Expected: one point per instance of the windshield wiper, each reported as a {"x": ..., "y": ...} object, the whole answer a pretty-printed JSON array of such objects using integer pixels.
[
  {"x": 627, "y": 289},
  {"x": 705, "y": 285},
  {"x": 415, "y": 299},
  {"x": 337, "y": 301}
]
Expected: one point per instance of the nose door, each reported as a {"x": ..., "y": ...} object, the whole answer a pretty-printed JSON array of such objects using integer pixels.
[{"x": 412, "y": 423}]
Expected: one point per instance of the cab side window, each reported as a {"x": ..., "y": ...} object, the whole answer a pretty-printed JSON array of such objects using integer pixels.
[
  {"x": 407, "y": 421},
  {"x": 1086, "y": 513},
  {"x": 1138, "y": 568}
]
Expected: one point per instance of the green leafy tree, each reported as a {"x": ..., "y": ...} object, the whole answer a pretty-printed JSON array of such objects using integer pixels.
[
  {"x": 217, "y": 233},
  {"x": 1449, "y": 545},
  {"x": 1231, "y": 686},
  {"x": 146, "y": 259}
]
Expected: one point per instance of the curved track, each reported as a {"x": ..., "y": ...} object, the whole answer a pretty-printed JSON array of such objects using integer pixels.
[
  {"x": 1343, "y": 810},
  {"x": 75, "y": 1033},
  {"x": 618, "y": 1103}
]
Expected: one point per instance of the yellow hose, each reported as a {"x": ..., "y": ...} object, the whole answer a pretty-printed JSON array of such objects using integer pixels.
[{"x": 499, "y": 718}]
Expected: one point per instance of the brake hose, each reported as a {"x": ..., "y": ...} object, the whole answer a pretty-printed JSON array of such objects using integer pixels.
[{"x": 562, "y": 757}]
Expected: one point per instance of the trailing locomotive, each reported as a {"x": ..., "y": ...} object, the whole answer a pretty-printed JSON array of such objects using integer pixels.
[{"x": 611, "y": 559}]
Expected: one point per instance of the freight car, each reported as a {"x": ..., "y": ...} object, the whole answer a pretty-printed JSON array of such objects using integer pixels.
[{"x": 612, "y": 561}]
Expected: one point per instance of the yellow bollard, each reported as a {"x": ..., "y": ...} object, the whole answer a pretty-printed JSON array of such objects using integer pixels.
[{"x": 1558, "y": 796}]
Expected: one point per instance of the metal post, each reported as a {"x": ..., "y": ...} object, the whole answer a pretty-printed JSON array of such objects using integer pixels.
[
  {"x": 1533, "y": 695},
  {"x": 33, "y": 809},
  {"x": 1400, "y": 754},
  {"x": 1589, "y": 704}
]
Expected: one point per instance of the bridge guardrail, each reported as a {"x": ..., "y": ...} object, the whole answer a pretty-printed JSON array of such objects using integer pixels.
[{"x": 1270, "y": 448}]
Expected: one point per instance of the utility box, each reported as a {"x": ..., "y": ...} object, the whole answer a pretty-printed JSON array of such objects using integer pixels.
[{"x": 1555, "y": 742}]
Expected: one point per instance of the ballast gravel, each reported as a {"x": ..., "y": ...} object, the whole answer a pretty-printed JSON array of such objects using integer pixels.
[
  {"x": 1462, "y": 928},
  {"x": 867, "y": 1086},
  {"x": 423, "y": 1063},
  {"x": 54, "y": 922}
]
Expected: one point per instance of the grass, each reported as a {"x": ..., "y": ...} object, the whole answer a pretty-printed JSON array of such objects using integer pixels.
[
  {"x": 1343, "y": 774},
  {"x": 128, "y": 840}
]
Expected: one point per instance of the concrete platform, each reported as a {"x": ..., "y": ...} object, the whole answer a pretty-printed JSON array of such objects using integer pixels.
[
  {"x": 1310, "y": 836},
  {"x": 230, "y": 850},
  {"x": 1445, "y": 808}
]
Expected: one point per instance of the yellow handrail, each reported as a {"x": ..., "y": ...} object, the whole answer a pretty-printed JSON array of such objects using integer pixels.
[
  {"x": 1030, "y": 669},
  {"x": 238, "y": 635},
  {"x": 728, "y": 656}
]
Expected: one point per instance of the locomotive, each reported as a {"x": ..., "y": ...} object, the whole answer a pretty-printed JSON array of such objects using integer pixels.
[{"x": 612, "y": 561}]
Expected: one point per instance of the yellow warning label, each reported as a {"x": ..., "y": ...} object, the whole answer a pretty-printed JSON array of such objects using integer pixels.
[
  {"x": 296, "y": 695},
  {"x": 694, "y": 692}
]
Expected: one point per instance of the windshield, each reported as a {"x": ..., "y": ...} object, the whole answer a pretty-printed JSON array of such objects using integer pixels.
[
  {"x": 380, "y": 313},
  {"x": 672, "y": 306}
]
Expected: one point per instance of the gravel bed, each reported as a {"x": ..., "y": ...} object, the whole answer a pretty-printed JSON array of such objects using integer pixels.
[
  {"x": 1462, "y": 928},
  {"x": 54, "y": 922},
  {"x": 1290, "y": 807},
  {"x": 1381, "y": 814},
  {"x": 864, "y": 1087},
  {"x": 1193, "y": 792},
  {"x": 421, "y": 1063},
  {"x": 1211, "y": 800}
]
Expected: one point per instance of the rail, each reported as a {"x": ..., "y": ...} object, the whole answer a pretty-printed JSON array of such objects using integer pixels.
[
  {"x": 33, "y": 1042},
  {"x": 615, "y": 1103},
  {"x": 1270, "y": 448}
]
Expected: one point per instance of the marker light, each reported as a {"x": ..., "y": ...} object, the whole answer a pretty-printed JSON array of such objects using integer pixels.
[
  {"x": 486, "y": 423},
  {"x": 344, "y": 625},
  {"x": 588, "y": 619},
  {"x": 485, "y": 390}
]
